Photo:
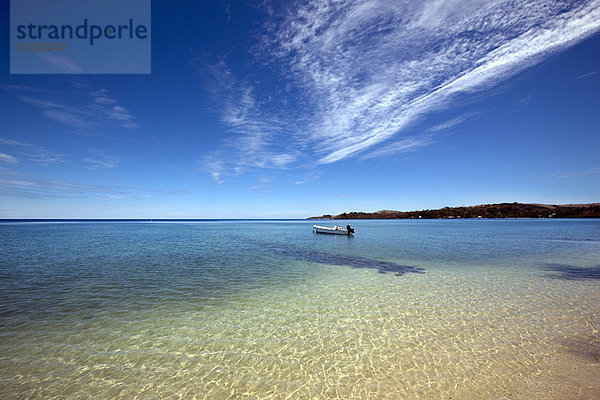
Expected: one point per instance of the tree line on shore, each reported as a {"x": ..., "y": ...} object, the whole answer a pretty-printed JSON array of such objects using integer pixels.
[{"x": 502, "y": 210}]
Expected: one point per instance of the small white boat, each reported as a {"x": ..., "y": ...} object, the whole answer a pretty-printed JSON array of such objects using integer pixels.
[{"x": 337, "y": 230}]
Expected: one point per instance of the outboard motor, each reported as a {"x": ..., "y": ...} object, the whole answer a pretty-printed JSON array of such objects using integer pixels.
[{"x": 349, "y": 229}]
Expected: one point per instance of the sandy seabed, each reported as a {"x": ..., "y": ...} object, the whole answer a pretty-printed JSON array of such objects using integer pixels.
[{"x": 463, "y": 333}]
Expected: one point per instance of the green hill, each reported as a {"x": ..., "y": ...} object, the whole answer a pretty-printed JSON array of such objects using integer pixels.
[{"x": 502, "y": 210}]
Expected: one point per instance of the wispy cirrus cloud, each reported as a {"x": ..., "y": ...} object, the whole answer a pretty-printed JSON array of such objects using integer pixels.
[
  {"x": 99, "y": 159},
  {"x": 39, "y": 155},
  {"x": 372, "y": 67},
  {"x": 85, "y": 111},
  {"x": 107, "y": 106},
  {"x": 588, "y": 74},
  {"x": 7, "y": 158},
  {"x": 71, "y": 116},
  {"x": 309, "y": 178},
  {"x": 23, "y": 88},
  {"x": 575, "y": 174},
  {"x": 61, "y": 64},
  {"x": 405, "y": 145},
  {"x": 33, "y": 153},
  {"x": 256, "y": 134},
  {"x": 264, "y": 185},
  {"x": 123, "y": 197},
  {"x": 25, "y": 185},
  {"x": 451, "y": 123},
  {"x": 343, "y": 78}
]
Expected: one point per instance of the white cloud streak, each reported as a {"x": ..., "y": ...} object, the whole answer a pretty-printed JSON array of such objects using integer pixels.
[
  {"x": 575, "y": 174},
  {"x": 374, "y": 67},
  {"x": 34, "y": 153},
  {"x": 310, "y": 178},
  {"x": 99, "y": 159},
  {"x": 8, "y": 158},
  {"x": 402, "y": 146},
  {"x": 61, "y": 64},
  {"x": 25, "y": 185},
  {"x": 85, "y": 113},
  {"x": 355, "y": 74},
  {"x": 256, "y": 140},
  {"x": 451, "y": 123}
]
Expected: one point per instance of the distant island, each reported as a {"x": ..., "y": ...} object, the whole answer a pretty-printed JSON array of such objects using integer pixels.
[{"x": 502, "y": 210}]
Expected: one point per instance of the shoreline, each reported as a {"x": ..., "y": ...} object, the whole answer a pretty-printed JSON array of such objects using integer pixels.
[{"x": 484, "y": 211}]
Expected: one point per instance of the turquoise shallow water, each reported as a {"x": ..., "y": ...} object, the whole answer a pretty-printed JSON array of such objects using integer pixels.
[{"x": 252, "y": 309}]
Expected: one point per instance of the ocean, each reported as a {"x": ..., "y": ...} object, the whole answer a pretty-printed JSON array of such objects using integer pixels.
[{"x": 405, "y": 309}]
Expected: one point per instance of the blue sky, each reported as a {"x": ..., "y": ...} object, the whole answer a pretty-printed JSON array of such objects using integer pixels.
[{"x": 264, "y": 109}]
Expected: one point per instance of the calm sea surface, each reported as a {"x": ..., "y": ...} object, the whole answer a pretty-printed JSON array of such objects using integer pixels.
[{"x": 433, "y": 309}]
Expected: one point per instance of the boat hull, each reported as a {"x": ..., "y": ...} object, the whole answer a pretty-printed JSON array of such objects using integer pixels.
[{"x": 330, "y": 231}]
